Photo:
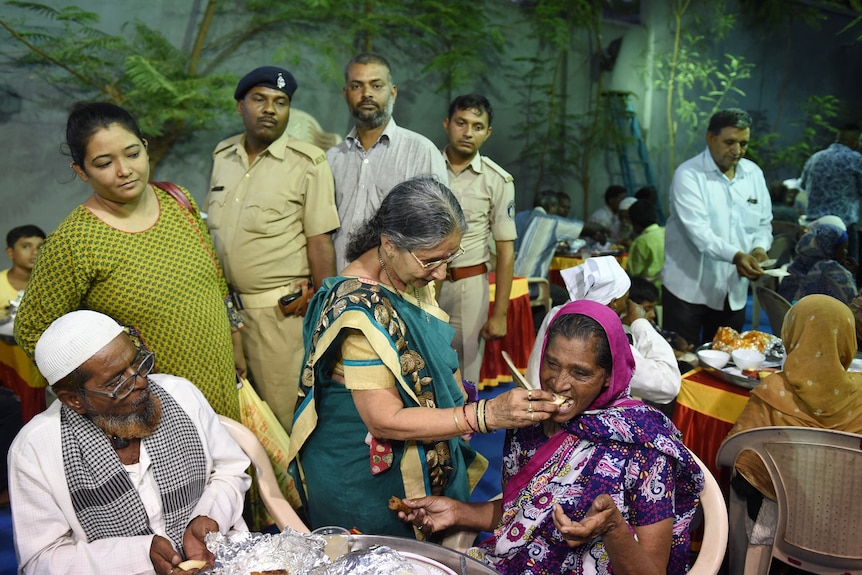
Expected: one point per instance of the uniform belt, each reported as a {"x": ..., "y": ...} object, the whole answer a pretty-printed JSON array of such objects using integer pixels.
[
  {"x": 455, "y": 274},
  {"x": 268, "y": 298}
]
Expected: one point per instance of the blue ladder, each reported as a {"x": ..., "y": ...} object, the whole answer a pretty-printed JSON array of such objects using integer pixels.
[{"x": 630, "y": 144}]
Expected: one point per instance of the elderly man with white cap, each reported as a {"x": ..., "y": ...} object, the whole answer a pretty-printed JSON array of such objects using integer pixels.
[
  {"x": 128, "y": 471},
  {"x": 601, "y": 279}
]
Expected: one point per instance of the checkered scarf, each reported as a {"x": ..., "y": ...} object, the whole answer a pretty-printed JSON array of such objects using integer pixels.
[{"x": 103, "y": 497}]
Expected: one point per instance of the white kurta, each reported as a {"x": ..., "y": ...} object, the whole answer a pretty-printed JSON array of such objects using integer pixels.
[{"x": 48, "y": 537}]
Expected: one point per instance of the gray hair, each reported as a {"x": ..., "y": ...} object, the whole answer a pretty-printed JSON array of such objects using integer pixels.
[
  {"x": 417, "y": 214},
  {"x": 729, "y": 118}
]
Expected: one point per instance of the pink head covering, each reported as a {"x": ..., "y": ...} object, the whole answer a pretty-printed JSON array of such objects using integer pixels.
[{"x": 617, "y": 391}]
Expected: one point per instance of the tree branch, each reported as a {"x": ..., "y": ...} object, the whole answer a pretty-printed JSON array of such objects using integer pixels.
[
  {"x": 201, "y": 37},
  {"x": 36, "y": 50}
]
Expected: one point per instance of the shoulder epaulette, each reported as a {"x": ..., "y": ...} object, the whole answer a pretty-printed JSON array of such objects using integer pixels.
[
  {"x": 507, "y": 177},
  {"x": 312, "y": 152},
  {"x": 227, "y": 143}
]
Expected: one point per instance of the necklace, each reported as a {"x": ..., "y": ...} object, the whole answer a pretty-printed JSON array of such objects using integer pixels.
[
  {"x": 119, "y": 442},
  {"x": 392, "y": 283},
  {"x": 389, "y": 277}
]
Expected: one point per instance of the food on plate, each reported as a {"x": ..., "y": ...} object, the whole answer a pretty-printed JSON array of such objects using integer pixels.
[
  {"x": 190, "y": 564},
  {"x": 397, "y": 504},
  {"x": 728, "y": 339}
]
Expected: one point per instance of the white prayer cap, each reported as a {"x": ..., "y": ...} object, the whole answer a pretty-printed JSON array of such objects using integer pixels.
[
  {"x": 626, "y": 203},
  {"x": 71, "y": 340},
  {"x": 600, "y": 279},
  {"x": 831, "y": 220},
  {"x": 793, "y": 183}
]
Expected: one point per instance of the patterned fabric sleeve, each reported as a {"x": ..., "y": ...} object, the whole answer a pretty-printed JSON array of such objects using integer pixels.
[{"x": 651, "y": 494}]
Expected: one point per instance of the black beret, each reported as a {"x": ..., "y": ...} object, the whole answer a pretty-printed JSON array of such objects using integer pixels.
[{"x": 269, "y": 76}]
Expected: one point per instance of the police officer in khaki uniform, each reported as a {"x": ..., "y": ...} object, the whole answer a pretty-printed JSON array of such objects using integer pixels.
[
  {"x": 271, "y": 212},
  {"x": 487, "y": 196}
]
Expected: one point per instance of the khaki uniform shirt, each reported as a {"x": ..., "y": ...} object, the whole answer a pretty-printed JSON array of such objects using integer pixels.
[
  {"x": 486, "y": 193},
  {"x": 259, "y": 216}
]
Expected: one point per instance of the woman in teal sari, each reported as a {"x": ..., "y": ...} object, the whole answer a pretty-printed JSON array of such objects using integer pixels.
[{"x": 384, "y": 409}]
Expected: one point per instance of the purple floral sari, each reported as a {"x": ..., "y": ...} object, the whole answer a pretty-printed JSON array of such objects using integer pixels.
[{"x": 619, "y": 446}]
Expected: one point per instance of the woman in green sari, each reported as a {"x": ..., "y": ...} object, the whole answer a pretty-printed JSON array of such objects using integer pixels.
[{"x": 384, "y": 409}]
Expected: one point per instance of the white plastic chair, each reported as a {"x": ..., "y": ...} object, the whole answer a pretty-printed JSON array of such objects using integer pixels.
[
  {"x": 273, "y": 499},
  {"x": 714, "y": 544},
  {"x": 817, "y": 475},
  {"x": 543, "y": 293}
]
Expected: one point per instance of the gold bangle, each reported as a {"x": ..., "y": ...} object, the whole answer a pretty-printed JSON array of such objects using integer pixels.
[
  {"x": 481, "y": 411},
  {"x": 461, "y": 430}
]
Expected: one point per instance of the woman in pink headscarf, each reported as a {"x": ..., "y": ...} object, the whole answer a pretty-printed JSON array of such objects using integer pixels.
[{"x": 605, "y": 486}]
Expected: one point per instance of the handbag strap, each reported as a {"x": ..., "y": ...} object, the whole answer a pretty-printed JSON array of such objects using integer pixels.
[{"x": 176, "y": 193}]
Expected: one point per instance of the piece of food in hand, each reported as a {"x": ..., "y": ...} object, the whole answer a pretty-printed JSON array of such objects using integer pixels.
[
  {"x": 190, "y": 564},
  {"x": 397, "y": 504}
]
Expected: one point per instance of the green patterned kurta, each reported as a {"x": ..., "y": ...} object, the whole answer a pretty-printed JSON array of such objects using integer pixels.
[{"x": 163, "y": 282}]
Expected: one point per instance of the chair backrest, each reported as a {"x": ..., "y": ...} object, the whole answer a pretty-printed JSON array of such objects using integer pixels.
[
  {"x": 782, "y": 248},
  {"x": 715, "y": 529},
  {"x": 304, "y": 126},
  {"x": 817, "y": 475},
  {"x": 774, "y": 305},
  {"x": 543, "y": 292},
  {"x": 273, "y": 499}
]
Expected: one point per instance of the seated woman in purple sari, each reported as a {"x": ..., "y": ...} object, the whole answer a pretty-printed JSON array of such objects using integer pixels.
[{"x": 604, "y": 486}]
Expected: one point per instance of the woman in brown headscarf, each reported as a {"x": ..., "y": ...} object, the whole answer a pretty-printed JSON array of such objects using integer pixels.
[{"x": 814, "y": 389}]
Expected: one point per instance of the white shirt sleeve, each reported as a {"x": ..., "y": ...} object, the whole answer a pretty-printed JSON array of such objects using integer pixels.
[{"x": 656, "y": 377}]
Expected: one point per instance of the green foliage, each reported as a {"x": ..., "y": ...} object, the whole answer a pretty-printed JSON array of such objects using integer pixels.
[
  {"x": 688, "y": 70},
  {"x": 174, "y": 92},
  {"x": 779, "y": 158},
  {"x": 559, "y": 143}
]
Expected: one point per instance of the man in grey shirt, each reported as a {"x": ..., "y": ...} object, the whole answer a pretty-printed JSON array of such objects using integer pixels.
[{"x": 377, "y": 154}]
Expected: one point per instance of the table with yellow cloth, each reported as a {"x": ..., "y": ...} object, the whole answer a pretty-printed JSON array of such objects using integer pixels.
[
  {"x": 520, "y": 335},
  {"x": 706, "y": 408},
  {"x": 566, "y": 262}
]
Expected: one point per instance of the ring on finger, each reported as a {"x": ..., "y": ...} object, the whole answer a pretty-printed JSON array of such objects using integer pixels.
[
  {"x": 530, "y": 407},
  {"x": 531, "y": 415}
]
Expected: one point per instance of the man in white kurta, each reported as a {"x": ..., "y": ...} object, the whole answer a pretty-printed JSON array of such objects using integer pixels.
[
  {"x": 719, "y": 229},
  {"x": 50, "y": 534}
]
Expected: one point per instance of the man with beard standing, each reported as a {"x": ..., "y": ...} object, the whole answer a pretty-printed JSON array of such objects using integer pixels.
[
  {"x": 271, "y": 213},
  {"x": 719, "y": 229},
  {"x": 127, "y": 472},
  {"x": 377, "y": 154}
]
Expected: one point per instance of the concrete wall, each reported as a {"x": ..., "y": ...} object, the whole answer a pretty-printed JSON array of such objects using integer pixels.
[{"x": 37, "y": 185}]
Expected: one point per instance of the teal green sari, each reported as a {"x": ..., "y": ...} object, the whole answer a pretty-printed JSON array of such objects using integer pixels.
[{"x": 329, "y": 452}]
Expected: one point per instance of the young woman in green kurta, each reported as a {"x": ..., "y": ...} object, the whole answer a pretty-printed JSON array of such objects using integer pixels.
[{"x": 139, "y": 254}]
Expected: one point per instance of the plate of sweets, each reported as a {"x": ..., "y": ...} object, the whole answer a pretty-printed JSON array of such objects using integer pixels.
[{"x": 729, "y": 340}]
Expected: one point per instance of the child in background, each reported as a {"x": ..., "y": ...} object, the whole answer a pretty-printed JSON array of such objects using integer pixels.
[
  {"x": 22, "y": 247},
  {"x": 17, "y": 371},
  {"x": 646, "y": 254},
  {"x": 646, "y": 295}
]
